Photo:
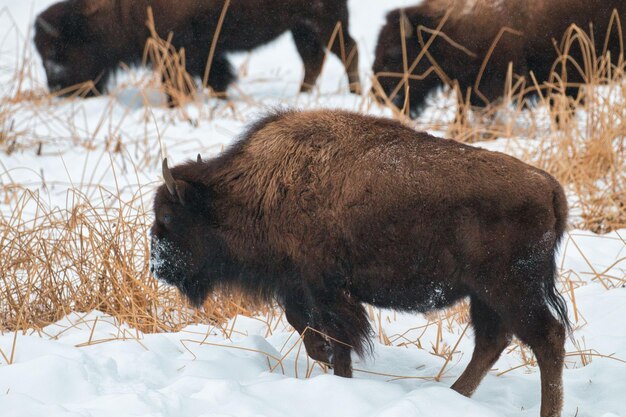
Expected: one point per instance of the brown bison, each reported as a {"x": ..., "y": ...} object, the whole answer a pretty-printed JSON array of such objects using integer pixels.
[
  {"x": 526, "y": 34},
  {"x": 325, "y": 210},
  {"x": 83, "y": 40}
]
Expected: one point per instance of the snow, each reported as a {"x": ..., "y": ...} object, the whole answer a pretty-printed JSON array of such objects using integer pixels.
[{"x": 91, "y": 365}]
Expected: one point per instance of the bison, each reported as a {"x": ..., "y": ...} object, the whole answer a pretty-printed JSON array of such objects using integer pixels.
[
  {"x": 478, "y": 40},
  {"x": 323, "y": 211},
  {"x": 83, "y": 40}
]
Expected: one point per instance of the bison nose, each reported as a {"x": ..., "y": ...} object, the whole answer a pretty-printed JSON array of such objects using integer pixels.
[{"x": 54, "y": 71}]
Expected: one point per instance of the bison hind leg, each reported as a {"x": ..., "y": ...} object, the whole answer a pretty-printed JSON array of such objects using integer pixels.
[
  {"x": 491, "y": 338},
  {"x": 545, "y": 335},
  {"x": 537, "y": 314}
]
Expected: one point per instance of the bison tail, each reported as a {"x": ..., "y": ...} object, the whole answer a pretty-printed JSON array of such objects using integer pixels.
[
  {"x": 554, "y": 299},
  {"x": 559, "y": 203}
]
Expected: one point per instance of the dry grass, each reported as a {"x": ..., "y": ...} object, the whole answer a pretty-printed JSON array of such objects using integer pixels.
[{"x": 169, "y": 63}]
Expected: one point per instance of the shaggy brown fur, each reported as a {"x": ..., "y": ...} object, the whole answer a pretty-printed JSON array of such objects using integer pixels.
[
  {"x": 475, "y": 25},
  {"x": 82, "y": 40},
  {"x": 326, "y": 210}
]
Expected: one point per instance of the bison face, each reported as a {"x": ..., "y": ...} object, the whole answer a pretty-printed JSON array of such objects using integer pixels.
[
  {"x": 73, "y": 45},
  {"x": 185, "y": 249},
  {"x": 393, "y": 54},
  {"x": 388, "y": 71}
]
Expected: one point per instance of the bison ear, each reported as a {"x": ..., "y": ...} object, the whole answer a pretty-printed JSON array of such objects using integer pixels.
[
  {"x": 91, "y": 7},
  {"x": 406, "y": 25}
]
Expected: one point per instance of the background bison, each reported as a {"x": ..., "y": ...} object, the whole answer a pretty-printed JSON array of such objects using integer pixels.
[
  {"x": 83, "y": 40},
  {"x": 326, "y": 210},
  {"x": 533, "y": 33}
]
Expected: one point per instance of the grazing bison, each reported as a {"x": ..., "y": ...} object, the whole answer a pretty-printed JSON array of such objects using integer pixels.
[
  {"x": 326, "y": 210},
  {"x": 531, "y": 33},
  {"x": 82, "y": 40}
]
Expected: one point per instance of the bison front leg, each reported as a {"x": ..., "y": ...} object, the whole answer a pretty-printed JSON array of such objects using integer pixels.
[
  {"x": 220, "y": 71},
  {"x": 299, "y": 315},
  {"x": 345, "y": 322},
  {"x": 221, "y": 75}
]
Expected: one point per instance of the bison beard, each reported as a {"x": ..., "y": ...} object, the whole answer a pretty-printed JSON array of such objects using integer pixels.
[
  {"x": 532, "y": 31},
  {"x": 323, "y": 211},
  {"x": 87, "y": 40}
]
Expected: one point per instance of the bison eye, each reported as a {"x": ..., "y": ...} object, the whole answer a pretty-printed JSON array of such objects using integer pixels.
[{"x": 167, "y": 219}]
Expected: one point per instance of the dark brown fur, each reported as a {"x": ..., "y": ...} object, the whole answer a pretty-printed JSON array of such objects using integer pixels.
[
  {"x": 90, "y": 38},
  {"x": 540, "y": 24},
  {"x": 326, "y": 210}
]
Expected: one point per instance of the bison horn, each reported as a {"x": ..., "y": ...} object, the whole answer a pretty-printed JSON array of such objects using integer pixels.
[
  {"x": 47, "y": 27},
  {"x": 406, "y": 24},
  {"x": 169, "y": 179},
  {"x": 92, "y": 7},
  {"x": 199, "y": 159}
]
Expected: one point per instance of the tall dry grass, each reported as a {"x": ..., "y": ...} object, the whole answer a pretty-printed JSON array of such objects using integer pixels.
[{"x": 170, "y": 64}]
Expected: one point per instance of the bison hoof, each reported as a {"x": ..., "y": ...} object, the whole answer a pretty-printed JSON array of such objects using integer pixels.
[
  {"x": 344, "y": 371},
  {"x": 355, "y": 88},
  {"x": 306, "y": 88}
]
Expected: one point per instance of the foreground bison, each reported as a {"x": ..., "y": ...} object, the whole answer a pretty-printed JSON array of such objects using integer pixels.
[
  {"x": 326, "y": 210},
  {"x": 531, "y": 32},
  {"x": 83, "y": 40}
]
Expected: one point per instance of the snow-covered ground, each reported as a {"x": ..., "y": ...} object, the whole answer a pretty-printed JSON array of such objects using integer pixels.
[{"x": 90, "y": 365}]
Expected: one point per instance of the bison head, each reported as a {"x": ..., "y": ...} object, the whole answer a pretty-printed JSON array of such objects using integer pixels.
[
  {"x": 185, "y": 247},
  {"x": 393, "y": 53},
  {"x": 75, "y": 40}
]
